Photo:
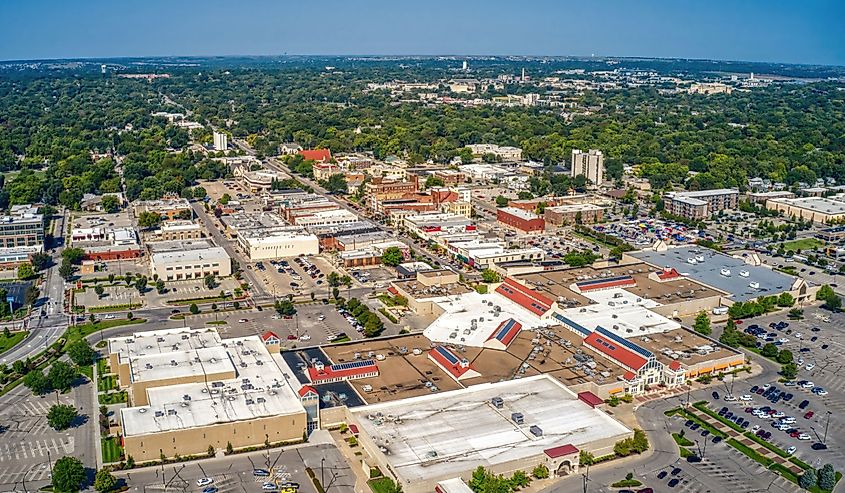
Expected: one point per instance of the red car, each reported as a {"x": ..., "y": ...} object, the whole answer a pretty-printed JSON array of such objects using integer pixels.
[
  {"x": 809, "y": 414},
  {"x": 291, "y": 337},
  {"x": 795, "y": 434}
]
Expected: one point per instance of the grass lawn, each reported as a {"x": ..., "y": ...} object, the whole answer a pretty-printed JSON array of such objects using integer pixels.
[
  {"x": 751, "y": 453},
  {"x": 803, "y": 244},
  {"x": 341, "y": 339},
  {"x": 217, "y": 322},
  {"x": 380, "y": 485},
  {"x": 106, "y": 383},
  {"x": 682, "y": 441},
  {"x": 112, "y": 398},
  {"x": 7, "y": 343},
  {"x": 111, "y": 449},
  {"x": 88, "y": 371}
]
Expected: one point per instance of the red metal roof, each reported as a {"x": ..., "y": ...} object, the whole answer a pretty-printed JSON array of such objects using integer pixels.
[
  {"x": 629, "y": 376},
  {"x": 268, "y": 335},
  {"x": 561, "y": 451},
  {"x": 615, "y": 351},
  {"x": 451, "y": 362},
  {"x": 353, "y": 429},
  {"x": 675, "y": 365},
  {"x": 615, "y": 282},
  {"x": 590, "y": 398},
  {"x": 506, "y": 332},
  {"x": 525, "y": 297},
  {"x": 392, "y": 290},
  {"x": 667, "y": 274},
  {"x": 317, "y": 154},
  {"x": 305, "y": 389}
]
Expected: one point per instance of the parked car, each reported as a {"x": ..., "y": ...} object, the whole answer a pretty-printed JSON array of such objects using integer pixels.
[
  {"x": 809, "y": 414},
  {"x": 204, "y": 481}
]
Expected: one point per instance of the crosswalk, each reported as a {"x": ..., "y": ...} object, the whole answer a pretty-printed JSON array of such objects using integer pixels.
[
  {"x": 28, "y": 450},
  {"x": 28, "y": 472}
]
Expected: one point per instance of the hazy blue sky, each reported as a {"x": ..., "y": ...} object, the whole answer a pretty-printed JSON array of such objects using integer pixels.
[{"x": 800, "y": 31}]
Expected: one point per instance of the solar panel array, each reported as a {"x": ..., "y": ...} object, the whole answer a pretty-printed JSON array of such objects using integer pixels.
[
  {"x": 573, "y": 324},
  {"x": 507, "y": 325},
  {"x": 352, "y": 365},
  {"x": 604, "y": 280},
  {"x": 625, "y": 342},
  {"x": 446, "y": 353}
]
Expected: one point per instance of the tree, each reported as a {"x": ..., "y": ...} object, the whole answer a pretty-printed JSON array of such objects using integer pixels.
[
  {"x": 61, "y": 416},
  {"x": 66, "y": 270},
  {"x": 702, "y": 324},
  {"x": 827, "y": 477},
  {"x": 333, "y": 279},
  {"x": 141, "y": 284},
  {"x": 519, "y": 480},
  {"x": 99, "y": 290},
  {"x": 489, "y": 275},
  {"x": 786, "y": 300},
  {"x": 160, "y": 286},
  {"x": 336, "y": 184},
  {"x": 225, "y": 199},
  {"x": 73, "y": 255},
  {"x": 785, "y": 357},
  {"x": 81, "y": 353},
  {"x": 285, "y": 308},
  {"x": 433, "y": 181},
  {"x": 586, "y": 458},
  {"x": 789, "y": 371},
  {"x": 62, "y": 375},
  {"x": 40, "y": 261},
  {"x": 199, "y": 193},
  {"x": 392, "y": 256},
  {"x": 769, "y": 350},
  {"x": 25, "y": 271},
  {"x": 210, "y": 281},
  {"x": 110, "y": 204},
  {"x": 194, "y": 309},
  {"x": 36, "y": 382},
  {"x": 31, "y": 295},
  {"x": 808, "y": 479},
  {"x": 540, "y": 472},
  {"x": 104, "y": 481},
  {"x": 229, "y": 448},
  {"x": 68, "y": 475},
  {"x": 149, "y": 220},
  {"x": 502, "y": 201}
]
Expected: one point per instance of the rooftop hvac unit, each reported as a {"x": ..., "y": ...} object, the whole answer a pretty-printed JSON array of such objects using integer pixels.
[
  {"x": 497, "y": 402},
  {"x": 171, "y": 412},
  {"x": 159, "y": 414},
  {"x": 517, "y": 418}
]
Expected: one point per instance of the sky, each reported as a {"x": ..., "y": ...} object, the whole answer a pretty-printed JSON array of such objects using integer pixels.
[{"x": 789, "y": 31}]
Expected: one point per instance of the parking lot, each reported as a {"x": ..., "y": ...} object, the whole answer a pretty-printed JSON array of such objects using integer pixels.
[
  {"x": 313, "y": 324},
  {"x": 238, "y": 473},
  {"x": 822, "y": 366},
  {"x": 290, "y": 276},
  {"x": 27, "y": 439}
]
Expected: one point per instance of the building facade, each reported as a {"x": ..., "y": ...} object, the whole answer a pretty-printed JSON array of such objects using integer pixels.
[
  {"x": 700, "y": 204},
  {"x": 590, "y": 164}
]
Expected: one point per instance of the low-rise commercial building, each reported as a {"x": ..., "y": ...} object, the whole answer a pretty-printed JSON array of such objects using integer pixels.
[
  {"x": 521, "y": 220},
  {"x": 505, "y": 153},
  {"x": 178, "y": 260},
  {"x": 176, "y": 230},
  {"x": 274, "y": 243},
  {"x": 824, "y": 210},
  {"x": 167, "y": 208},
  {"x": 259, "y": 181},
  {"x": 331, "y": 217}
]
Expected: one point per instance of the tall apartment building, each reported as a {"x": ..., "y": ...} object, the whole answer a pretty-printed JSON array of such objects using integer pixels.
[
  {"x": 590, "y": 164},
  {"x": 221, "y": 141},
  {"x": 702, "y": 203}
]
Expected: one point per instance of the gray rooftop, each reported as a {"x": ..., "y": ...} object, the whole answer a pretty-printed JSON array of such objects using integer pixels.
[{"x": 709, "y": 272}]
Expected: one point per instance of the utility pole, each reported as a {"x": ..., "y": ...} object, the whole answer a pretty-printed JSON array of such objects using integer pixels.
[
  {"x": 586, "y": 477},
  {"x": 826, "y": 425}
]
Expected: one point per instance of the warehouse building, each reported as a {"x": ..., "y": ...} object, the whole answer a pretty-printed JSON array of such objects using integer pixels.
[
  {"x": 817, "y": 209},
  {"x": 273, "y": 243}
]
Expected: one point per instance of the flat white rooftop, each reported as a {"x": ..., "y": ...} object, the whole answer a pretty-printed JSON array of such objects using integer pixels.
[
  {"x": 445, "y": 434},
  {"x": 261, "y": 389},
  {"x": 180, "y": 364},
  {"x": 162, "y": 341},
  {"x": 461, "y": 309},
  {"x": 620, "y": 312}
]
